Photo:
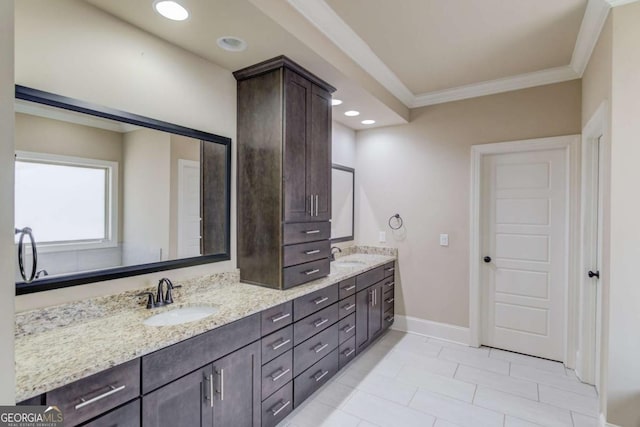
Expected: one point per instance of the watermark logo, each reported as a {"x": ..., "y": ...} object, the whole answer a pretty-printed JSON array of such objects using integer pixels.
[{"x": 31, "y": 416}]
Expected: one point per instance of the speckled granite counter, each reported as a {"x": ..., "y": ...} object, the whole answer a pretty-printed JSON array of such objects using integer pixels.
[{"x": 58, "y": 345}]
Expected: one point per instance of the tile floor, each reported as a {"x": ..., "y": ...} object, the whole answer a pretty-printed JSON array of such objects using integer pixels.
[{"x": 407, "y": 380}]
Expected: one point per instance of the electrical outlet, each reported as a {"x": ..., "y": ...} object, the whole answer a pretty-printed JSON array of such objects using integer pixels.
[
  {"x": 444, "y": 240},
  {"x": 382, "y": 237}
]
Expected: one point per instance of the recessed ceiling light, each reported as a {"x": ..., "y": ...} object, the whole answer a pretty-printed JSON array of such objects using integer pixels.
[
  {"x": 171, "y": 10},
  {"x": 232, "y": 44},
  {"x": 368, "y": 122},
  {"x": 352, "y": 113},
  {"x": 336, "y": 102}
]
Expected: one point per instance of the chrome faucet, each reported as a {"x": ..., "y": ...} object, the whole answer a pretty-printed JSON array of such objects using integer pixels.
[
  {"x": 333, "y": 253},
  {"x": 161, "y": 298}
]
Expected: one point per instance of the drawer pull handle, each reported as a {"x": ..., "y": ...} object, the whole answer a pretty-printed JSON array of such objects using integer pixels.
[
  {"x": 280, "y": 375},
  {"x": 389, "y": 284},
  {"x": 390, "y": 300},
  {"x": 348, "y": 307},
  {"x": 389, "y": 319},
  {"x": 282, "y": 343},
  {"x": 312, "y": 232},
  {"x": 321, "y": 376},
  {"x": 390, "y": 269},
  {"x": 313, "y": 252},
  {"x": 321, "y": 347},
  {"x": 282, "y": 404},
  {"x": 280, "y": 317},
  {"x": 112, "y": 390},
  {"x": 310, "y": 272},
  {"x": 320, "y": 322},
  {"x": 349, "y": 288},
  {"x": 320, "y": 300},
  {"x": 349, "y": 352},
  {"x": 348, "y": 329}
]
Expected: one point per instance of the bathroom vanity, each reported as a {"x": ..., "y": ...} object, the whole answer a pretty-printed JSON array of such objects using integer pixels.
[{"x": 250, "y": 364}]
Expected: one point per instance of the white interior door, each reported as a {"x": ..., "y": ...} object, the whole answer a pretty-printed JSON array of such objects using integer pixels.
[
  {"x": 188, "y": 208},
  {"x": 524, "y": 286}
]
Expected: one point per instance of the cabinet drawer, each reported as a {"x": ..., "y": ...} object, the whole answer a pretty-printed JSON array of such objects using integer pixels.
[
  {"x": 95, "y": 395},
  {"x": 276, "y": 317},
  {"x": 277, "y": 373},
  {"x": 347, "y": 328},
  {"x": 303, "y": 273},
  {"x": 314, "y": 377},
  {"x": 389, "y": 269},
  {"x": 277, "y": 343},
  {"x": 125, "y": 416},
  {"x": 278, "y": 406},
  {"x": 347, "y": 351},
  {"x": 388, "y": 286},
  {"x": 368, "y": 278},
  {"x": 305, "y": 252},
  {"x": 306, "y": 232},
  {"x": 388, "y": 301},
  {"x": 387, "y": 319},
  {"x": 347, "y": 306},
  {"x": 311, "y": 325},
  {"x": 315, "y": 348},
  {"x": 347, "y": 287},
  {"x": 310, "y": 303},
  {"x": 173, "y": 362}
]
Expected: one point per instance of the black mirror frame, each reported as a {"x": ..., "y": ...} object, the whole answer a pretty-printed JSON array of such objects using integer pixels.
[
  {"x": 47, "y": 98},
  {"x": 353, "y": 201}
]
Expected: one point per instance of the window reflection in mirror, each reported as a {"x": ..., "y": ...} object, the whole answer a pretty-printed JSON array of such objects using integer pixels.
[
  {"x": 101, "y": 194},
  {"x": 342, "y": 203}
]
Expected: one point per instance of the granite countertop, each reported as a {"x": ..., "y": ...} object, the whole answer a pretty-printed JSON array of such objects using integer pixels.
[{"x": 59, "y": 345}]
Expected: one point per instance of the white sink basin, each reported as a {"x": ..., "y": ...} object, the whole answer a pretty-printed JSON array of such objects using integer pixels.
[
  {"x": 180, "y": 316},
  {"x": 349, "y": 264}
]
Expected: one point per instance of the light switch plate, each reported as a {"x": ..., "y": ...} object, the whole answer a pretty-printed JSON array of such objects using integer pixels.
[
  {"x": 382, "y": 237},
  {"x": 444, "y": 240}
]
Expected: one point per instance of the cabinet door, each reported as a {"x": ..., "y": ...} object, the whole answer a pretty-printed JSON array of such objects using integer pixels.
[
  {"x": 125, "y": 416},
  {"x": 375, "y": 311},
  {"x": 184, "y": 402},
  {"x": 297, "y": 98},
  {"x": 237, "y": 388},
  {"x": 319, "y": 154},
  {"x": 363, "y": 301}
]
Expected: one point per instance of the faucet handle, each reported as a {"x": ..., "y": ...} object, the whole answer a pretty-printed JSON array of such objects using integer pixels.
[{"x": 150, "y": 302}]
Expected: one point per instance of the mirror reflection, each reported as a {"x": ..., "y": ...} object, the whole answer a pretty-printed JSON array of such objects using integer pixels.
[
  {"x": 101, "y": 194},
  {"x": 342, "y": 203}
]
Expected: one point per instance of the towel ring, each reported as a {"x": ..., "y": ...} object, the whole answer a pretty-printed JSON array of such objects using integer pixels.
[{"x": 397, "y": 224}]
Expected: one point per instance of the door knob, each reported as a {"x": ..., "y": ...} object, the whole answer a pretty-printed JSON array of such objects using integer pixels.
[
  {"x": 487, "y": 259},
  {"x": 594, "y": 274}
]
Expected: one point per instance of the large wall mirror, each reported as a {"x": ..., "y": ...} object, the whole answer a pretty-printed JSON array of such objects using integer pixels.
[
  {"x": 342, "y": 203},
  {"x": 104, "y": 194}
]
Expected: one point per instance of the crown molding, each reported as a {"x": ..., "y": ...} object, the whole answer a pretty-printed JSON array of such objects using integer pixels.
[
  {"x": 507, "y": 84},
  {"x": 323, "y": 17}
]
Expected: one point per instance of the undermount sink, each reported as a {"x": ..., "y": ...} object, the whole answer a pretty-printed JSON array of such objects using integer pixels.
[
  {"x": 349, "y": 264},
  {"x": 179, "y": 316}
]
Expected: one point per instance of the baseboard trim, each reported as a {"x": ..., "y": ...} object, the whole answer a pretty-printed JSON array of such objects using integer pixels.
[
  {"x": 603, "y": 422},
  {"x": 442, "y": 331}
]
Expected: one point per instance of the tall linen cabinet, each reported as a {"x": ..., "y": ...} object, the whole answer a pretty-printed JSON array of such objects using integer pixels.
[{"x": 284, "y": 174}]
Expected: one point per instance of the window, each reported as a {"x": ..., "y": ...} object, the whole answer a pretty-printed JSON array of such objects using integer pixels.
[{"x": 70, "y": 203}]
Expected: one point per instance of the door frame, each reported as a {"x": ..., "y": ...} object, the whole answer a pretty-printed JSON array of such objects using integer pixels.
[
  {"x": 571, "y": 145},
  {"x": 598, "y": 125}
]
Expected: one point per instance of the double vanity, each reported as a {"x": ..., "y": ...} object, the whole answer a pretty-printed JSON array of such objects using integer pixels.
[{"x": 258, "y": 355}]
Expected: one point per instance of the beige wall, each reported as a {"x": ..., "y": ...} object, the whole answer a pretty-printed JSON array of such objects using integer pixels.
[
  {"x": 623, "y": 387},
  {"x": 421, "y": 170},
  {"x": 7, "y": 376},
  {"x": 69, "y": 47},
  {"x": 596, "y": 81}
]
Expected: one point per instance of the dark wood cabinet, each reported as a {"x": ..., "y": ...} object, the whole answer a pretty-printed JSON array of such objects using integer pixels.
[
  {"x": 225, "y": 393},
  {"x": 284, "y": 172},
  {"x": 184, "y": 402},
  {"x": 125, "y": 416},
  {"x": 369, "y": 321}
]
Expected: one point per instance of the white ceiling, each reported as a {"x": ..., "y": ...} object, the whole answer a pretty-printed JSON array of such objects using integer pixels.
[{"x": 417, "y": 52}]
